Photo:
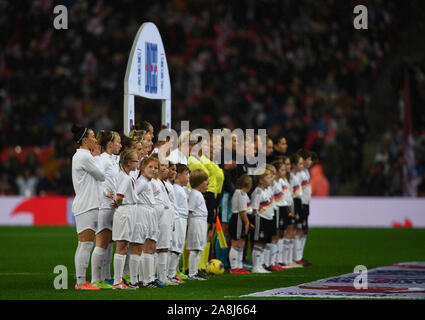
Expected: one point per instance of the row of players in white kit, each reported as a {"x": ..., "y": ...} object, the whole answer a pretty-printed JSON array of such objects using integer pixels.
[{"x": 145, "y": 214}]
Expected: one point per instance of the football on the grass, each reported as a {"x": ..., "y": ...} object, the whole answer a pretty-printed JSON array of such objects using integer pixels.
[{"x": 215, "y": 266}]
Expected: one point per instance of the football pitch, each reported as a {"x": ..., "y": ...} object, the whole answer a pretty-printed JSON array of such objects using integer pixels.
[{"x": 29, "y": 256}]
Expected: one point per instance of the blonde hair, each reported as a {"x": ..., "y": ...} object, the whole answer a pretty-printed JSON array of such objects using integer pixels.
[
  {"x": 262, "y": 175},
  {"x": 185, "y": 135},
  {"x": 125, "y": 157},
  {"x": 137, "y": 135},
  {"x": 271, "y": 168}
]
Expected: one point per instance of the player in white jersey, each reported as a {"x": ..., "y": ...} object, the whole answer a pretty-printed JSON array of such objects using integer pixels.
[
  {"x": 124, "y": 217},
  {"x": 270, "y": 250},
  {"x": 110, "y": 143},
  {"x": 171, "y": 194},
  {"x": 306, "y": 186},
  {"x": 282, "y": 210},
  {"x": 134, "y": 142},
  {"x": 140, "y": 146},
  {"x": 285, "y": 210},
  {"x": 239, "y": 224},
  {"x": 289, "y": 217},
  {"x": 197, "y": 221},
  {"x": 148, "y": 212},
  {"x": 262, "y": 207},
  {"x": 149, "y": 129},
  {"x": 178, "y": 236},
  {"x": 165, "y": 221},
  {"x": 297, "y": 165},
  {"x": 87, "y": 172}
]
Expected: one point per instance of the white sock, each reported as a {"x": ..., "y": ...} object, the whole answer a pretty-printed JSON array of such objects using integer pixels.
[
  {"x": 303, "y": 240},
  {"x": 280, "y": 251},
  {"x": 82, "y": 259},
  {"x": 140, "y": 268},
  {"x": 173, "y": 262},
  {"x": 127, "y": 262},
  {"x": 286, "y": 243},
  {"x": 106, "y": 270},
  {"x": 178, "y": 262},
  {"x": 290, "y": 250},
  {"x": 194, "y": 258},
  {"x": 148, "y": 265},
  {"x": 233, "y": 257},
  {"x": 155, "y": 262},
  {"x": 257, "y": 257},
  {"x": 134, "y": 268},
  {"x": 266, "y": 255},
  {"x": 97, "y": 262},
  {"x": 162, "y": 265},
  {"x": 119, "y": 262},
  {"x": 273, "y": 255},
  {"x": 297, "y": 249},
  {"x": 240, "y": 258}
]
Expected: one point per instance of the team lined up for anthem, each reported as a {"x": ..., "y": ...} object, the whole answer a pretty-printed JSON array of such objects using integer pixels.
[{"x": 160, "y": 212}]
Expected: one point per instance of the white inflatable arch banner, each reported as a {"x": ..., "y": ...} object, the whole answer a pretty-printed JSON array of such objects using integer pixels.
[{"x": 147, "y": 75}]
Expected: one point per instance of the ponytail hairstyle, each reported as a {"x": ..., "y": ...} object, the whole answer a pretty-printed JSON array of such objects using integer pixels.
[
  {"x": 79, "y": 134},
  {"x": 137, "y": 135},
  {"x": 125, "y": 157},
  {"x": 126, "y": 142},
  {"x": 104, "y": 137},
  {"x": 142, "y": 125}
]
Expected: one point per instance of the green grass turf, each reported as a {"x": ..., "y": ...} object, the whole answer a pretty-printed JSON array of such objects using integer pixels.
[{"x": 30, "y": 254}]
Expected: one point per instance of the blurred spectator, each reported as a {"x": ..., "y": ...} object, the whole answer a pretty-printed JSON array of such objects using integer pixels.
[
  {"x": 298, "y": 69},
  {"x": 319, "y": 183},
  {"x": 27, "y": 183}
]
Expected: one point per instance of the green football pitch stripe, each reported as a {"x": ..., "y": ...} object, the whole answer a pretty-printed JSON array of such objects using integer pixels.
[{"x": 30, "y": 254}]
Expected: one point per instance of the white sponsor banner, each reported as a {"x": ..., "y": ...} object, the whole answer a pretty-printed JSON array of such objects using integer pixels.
[
  {"x": 367, "y": 212},
  {"x": 399, "y": 281},
  {"x": 36, "y": 211},
  {"x": 147, "y": 69},
  {"x": 147, "y": 74},
  {"x": 324, "y": 212},
  {"x": 7, "y": 215}
]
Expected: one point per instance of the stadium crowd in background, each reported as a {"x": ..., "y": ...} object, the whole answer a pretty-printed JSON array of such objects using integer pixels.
[{"x": 298, "y": 69}]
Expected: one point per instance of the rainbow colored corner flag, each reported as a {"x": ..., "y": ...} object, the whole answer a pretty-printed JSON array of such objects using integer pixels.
[{"x": 220, "y": 234}]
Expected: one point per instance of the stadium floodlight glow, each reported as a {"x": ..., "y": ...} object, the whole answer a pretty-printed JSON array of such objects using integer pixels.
[{"x": 147, "y": 75}]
